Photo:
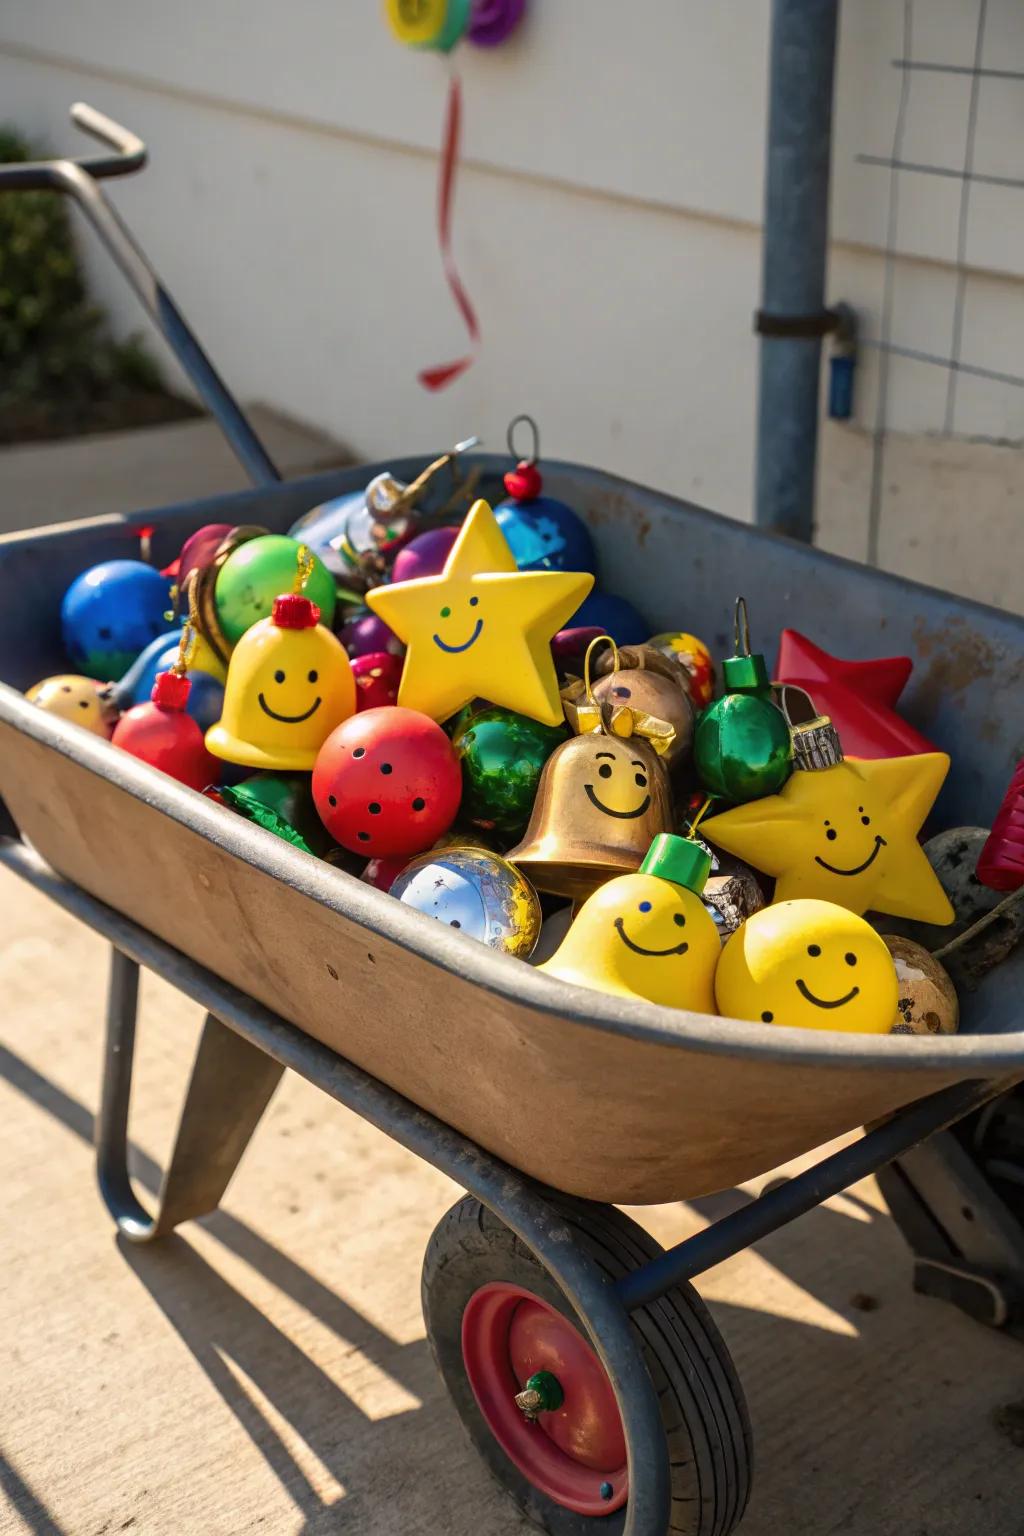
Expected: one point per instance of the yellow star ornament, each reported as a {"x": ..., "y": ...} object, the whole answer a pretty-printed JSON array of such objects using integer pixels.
[
  {"x": 482, "y": 627},
  {"x": 846, "y": 834}
]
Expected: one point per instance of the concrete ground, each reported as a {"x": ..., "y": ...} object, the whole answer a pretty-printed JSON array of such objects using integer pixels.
[
  {"x": 266, "y": 1370},
  {"x": 44, "y": 483}
]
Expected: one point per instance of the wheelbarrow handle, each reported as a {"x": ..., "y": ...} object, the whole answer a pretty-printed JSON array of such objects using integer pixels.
[{"x": 80, "y": 179}]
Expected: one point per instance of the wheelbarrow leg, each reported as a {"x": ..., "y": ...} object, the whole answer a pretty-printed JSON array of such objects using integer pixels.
[{"x": 231, "y": 1085}]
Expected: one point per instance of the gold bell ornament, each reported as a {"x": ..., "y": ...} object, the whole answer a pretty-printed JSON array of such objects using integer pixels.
[
  {"x": 648, "y": 934},
  {"x": 289, "y": 684},
  {"x": 639, "y": 678},
  {"x": 602, "y": 798}
]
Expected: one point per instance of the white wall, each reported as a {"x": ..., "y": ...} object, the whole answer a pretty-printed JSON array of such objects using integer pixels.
[{"x": 607, "y": 220}]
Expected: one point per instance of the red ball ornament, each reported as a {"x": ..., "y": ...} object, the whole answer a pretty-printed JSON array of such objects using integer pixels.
[
  {"x": 524, "y": 483},
  {"x": 858, "y": 696},
  {"x": 161, "y": 734},
  {"x": 377, "y": 678},
  {"x": 387, "y": 781},
  {"x": 382, "y": 873}
]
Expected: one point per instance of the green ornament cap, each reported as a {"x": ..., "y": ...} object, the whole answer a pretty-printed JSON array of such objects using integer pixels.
[
  {"x": 745, "y": 674},
  {"x": 678, "y": 859}
]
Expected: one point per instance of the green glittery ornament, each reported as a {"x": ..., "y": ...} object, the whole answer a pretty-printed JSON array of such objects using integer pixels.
[
  {"x": 281, "y": 803},
  {"x": 742, "y": 748},
  {"x": 502, "y": 755}
]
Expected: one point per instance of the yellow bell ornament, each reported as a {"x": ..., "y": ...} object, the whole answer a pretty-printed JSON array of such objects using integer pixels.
[
  {"x": 647, "y": 935},
  {"x": 844, "y": 830},
  {"x": 482, "y": 627},
  {"x": 811, "y": 964},
  {"x": 289, "y": 684}
]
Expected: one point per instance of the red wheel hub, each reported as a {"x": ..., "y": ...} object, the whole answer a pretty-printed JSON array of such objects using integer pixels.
[{"x": 576, "y": 1454}]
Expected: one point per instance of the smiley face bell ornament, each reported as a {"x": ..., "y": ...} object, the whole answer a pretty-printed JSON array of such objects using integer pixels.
[
  {"x": 289, "y": 685},
  {"x": 603, "y": 797},
  {"x": 648, "y": 934}
]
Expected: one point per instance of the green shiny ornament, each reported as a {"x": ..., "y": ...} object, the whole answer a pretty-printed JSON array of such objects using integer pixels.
[
  {"x": 502, "y": 756},
  {"x": 257, "y": 572},
  {"x": 742, "y": 747},
  {"x": 281, "y": 803}
]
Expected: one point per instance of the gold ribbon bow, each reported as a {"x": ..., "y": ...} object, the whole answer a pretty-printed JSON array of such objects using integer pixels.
[{"x": 587, "y": 716}]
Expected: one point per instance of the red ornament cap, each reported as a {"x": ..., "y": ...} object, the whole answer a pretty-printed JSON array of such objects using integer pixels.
[
  {"x": 293, "y": 611},
  {"x": 171, "y": 691},
  {"x": 524, "y": 483}
]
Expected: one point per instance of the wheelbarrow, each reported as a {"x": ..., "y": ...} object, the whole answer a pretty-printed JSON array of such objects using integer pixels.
[{"x": 585, "y": 1368}]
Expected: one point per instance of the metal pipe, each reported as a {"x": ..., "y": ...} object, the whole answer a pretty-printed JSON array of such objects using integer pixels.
[
  {"x": 801, "y": 1194},
  {"x": 795, "y": 243}
]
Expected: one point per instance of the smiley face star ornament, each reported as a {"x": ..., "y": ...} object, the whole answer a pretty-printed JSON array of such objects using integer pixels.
[
  {"x": 844, "y": 830},
  {"x": 808, "y": 963},
  {"x": 482, "y": 627}
]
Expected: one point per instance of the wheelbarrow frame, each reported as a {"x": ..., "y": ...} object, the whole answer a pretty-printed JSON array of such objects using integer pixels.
[
  {"x": 242, "y": 1054},
  {"x": 244, "y": 1047}
]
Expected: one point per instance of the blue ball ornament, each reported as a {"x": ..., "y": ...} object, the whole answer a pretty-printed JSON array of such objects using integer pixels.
[
  {"x": 613, "y": 615},
  {"x": 546, "y": 535},
  {"x": 110, "y": 613},
  {"x": 206, "y": 696}
]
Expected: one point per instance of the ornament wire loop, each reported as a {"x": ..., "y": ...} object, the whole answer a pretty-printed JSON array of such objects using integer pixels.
[
  {"x": 189, "y": 634},
  {"x": 741, "y": 628},
  {"x": 587, "y": 685},
  {"x": 535, "y": 433},
  {"x": 695, "y": 823}
]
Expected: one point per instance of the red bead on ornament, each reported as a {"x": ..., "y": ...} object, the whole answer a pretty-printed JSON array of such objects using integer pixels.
[
  {"x": 1001, "y": 864},
  {"x": 524, "y": 483},
  {"x": 161, "y": 734}
]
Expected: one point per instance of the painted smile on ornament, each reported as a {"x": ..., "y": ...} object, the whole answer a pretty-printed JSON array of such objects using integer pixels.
[
  {"x": 824, "y": 1002},
  {"x": 455, "y": 650},
  {"x": 289, "y": 719},
  {"x": 638, "y": 949},
  {"x": 605, "y": 771},
  {"x": 880, "y": 843}
]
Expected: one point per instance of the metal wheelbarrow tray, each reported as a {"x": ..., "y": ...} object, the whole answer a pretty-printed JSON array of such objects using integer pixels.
[
  {"x": 544, "y": 1101},
  {"x": 600, "y": 1098}
]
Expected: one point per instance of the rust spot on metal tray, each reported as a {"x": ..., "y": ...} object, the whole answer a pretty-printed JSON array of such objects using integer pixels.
[{"x": 952, "y": 659}]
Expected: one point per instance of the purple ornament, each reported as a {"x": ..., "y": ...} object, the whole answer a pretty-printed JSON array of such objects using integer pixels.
[
  {"x": 424, "y": 555},
  {"x": 491, "y": 21},
  {"x": 367, "y": 633}
]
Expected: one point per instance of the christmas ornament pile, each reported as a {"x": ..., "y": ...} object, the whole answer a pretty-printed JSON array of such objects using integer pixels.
[{"x": 450, "y": 709}]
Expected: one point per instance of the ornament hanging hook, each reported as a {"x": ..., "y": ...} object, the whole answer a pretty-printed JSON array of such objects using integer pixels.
[
  {"x": 741, "y": 628},
  {"x": 189, "y": 634},
  {"x": 587, "y": 686},
  {"x": 510, "y": 437}
]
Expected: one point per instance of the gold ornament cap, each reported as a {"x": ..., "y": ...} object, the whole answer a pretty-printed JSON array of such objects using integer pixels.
[{"x": 816, "y": 745}]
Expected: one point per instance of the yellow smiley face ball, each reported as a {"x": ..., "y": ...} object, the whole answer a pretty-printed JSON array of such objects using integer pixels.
[
  {"x": 646, "y": 935},
  {"x": 810, "y": 964},
  {"x": 79, "y": 699}
]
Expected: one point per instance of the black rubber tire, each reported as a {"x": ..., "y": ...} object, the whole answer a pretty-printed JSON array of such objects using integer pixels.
[{"x": 702, "y": 1406}]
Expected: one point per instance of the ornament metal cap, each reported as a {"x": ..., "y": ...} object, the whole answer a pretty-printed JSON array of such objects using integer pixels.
[
  {"x": 816, "y": 745},
  {"x": 171, "y": 691},
  {"x": 678, "y": 859},
  {"x": 294, "y": 611},
  {"x": 745, "y": 674}
]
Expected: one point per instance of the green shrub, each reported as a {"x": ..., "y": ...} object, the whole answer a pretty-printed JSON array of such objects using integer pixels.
[{"x": 55, "y": 349}]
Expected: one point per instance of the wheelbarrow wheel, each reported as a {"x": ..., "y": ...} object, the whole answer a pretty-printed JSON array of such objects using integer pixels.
[{"x": 499, "y": 1326}]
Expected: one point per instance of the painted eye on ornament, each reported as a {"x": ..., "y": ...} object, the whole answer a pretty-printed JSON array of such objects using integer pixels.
[
  {"x": 104, "y": 633},
  {"x": 83, "y": 703},
  {"x": 65, "y": 688},
  {"x": 313, "y": 675},
  {"x": 767, "y": 1017},
  {"x": 679, "y": 920},
  {"x": 814, "y": 950},
  {"x": 850, "y": 959},
  {"x": 446, "y": 613},
  {"x": 641, "y": 780},
  {"x": 865, "y": 819},
  {"x": 473, "y": 602},
  {"x": 645, "y": 906},
  {"x": 279, "y": 676},
  {"x": 605, "y": 770},
  {"x": 623, "y": 693}
]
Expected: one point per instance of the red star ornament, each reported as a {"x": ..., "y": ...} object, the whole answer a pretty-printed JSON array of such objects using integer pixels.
[{"x": 858, "y": 696}]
